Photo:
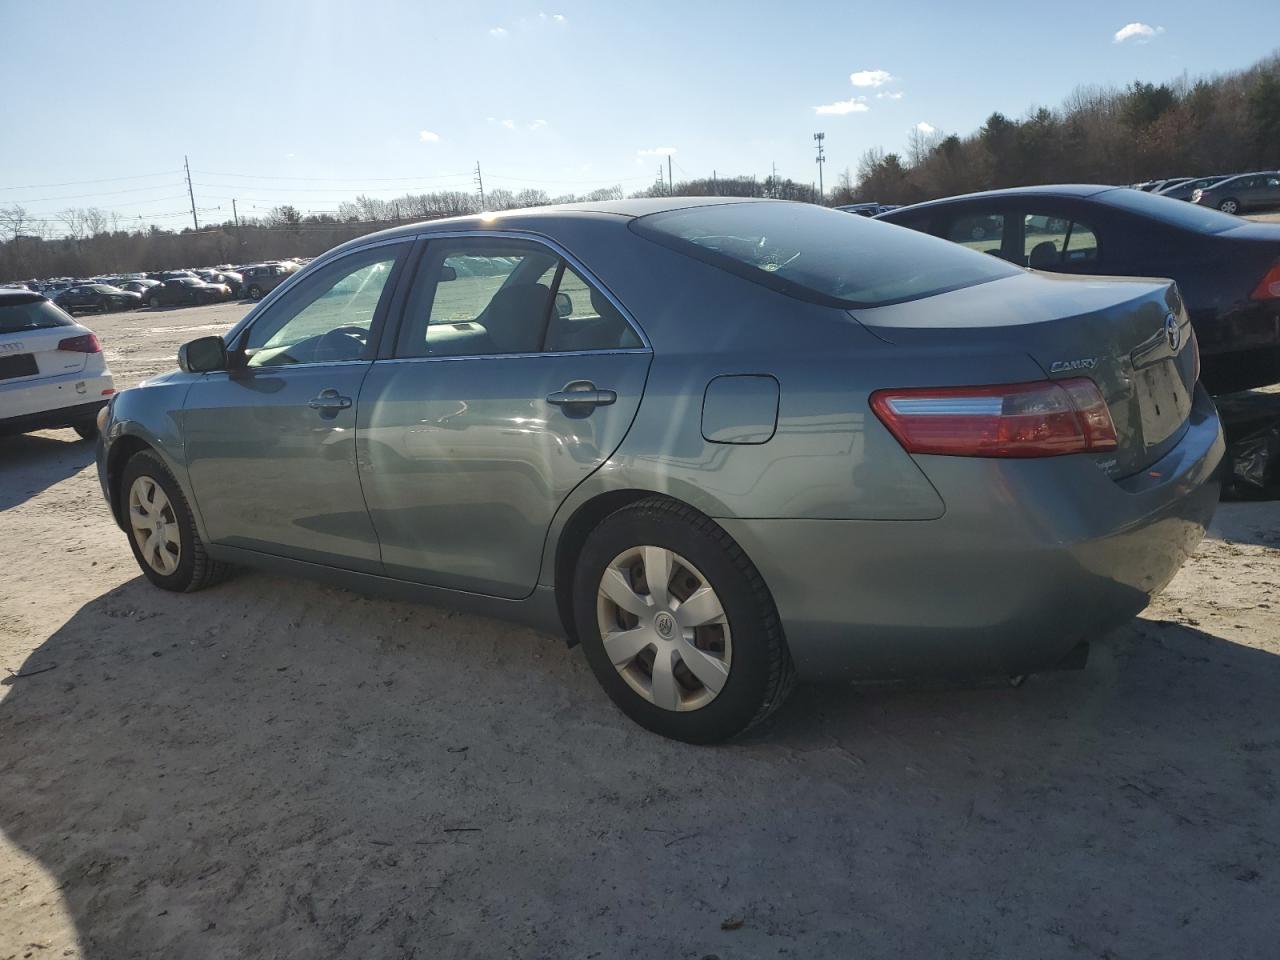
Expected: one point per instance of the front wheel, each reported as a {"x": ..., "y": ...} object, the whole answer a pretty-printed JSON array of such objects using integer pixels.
[
  {"x": 162, "y": 531},
  {"x": 255, "y": 292},
  {"x": 154, "y": 303},
  {"x": 1229, "y": 206},
  {"x": 678, "y": 625}
]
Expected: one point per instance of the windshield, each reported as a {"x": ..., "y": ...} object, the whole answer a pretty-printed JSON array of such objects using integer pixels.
[
  {"x": 1178, "y": 213},
  {"x": 821, "y": 255},
  {"x": 32, "y": 315}
]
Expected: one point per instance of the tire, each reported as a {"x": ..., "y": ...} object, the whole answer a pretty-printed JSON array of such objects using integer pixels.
[
  {"x": 255, "y": 292},
  {"x": 1229, "y": 205},
  {"x": 754, "y": 669},
  {"x": 153, "y": 303},
  {"x": 193, "y": 569},
  {"x": 87, "y": 429}
]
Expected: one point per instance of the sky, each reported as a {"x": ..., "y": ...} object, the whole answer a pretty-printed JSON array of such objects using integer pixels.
[{"x": 310, "y": 103}]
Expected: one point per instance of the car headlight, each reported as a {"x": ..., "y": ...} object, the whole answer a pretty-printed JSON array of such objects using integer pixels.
[{"x": 104, "y": 417}]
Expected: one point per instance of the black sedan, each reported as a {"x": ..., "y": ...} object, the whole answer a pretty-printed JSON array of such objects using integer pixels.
[
  {"x": 98, "y": 297},
  {"x": 186, "y": 290},
  {"x": 232, "y": 280},
  {"x": 138, "y": 286},
  {"x": 1227, "y": 269}
]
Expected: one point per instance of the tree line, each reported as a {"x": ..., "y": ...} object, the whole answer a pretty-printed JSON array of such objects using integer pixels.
[{"x": 1223, "y": 124}]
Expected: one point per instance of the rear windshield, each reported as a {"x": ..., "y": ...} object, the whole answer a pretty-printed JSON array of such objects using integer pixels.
[
  {"x": 33, "y": 315},
  {"x": 1178, "y": 213},
  {"x": 821, "y": 255}
]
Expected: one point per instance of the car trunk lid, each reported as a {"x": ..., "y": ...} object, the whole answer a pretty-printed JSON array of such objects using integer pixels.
[{"x": 1131, "y": 337}]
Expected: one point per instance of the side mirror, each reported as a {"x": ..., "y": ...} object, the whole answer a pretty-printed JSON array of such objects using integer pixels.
[
  {"x": 447, "y": 273},
  {"x": 204, "y": 355},
  {"x": 564, "y": 305}
]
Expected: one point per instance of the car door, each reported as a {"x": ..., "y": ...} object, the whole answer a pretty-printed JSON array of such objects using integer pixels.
[
  {"x": 514, "y": 376},
  {"x": 270, "y": 444}
]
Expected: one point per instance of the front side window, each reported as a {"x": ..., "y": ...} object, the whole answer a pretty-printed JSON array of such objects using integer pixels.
[
  {"x": 1055, "y": 243},
  {"x": 329, "y": 317},
  {"x": 820, "y": 255},
  {"x": 477, "y": 296},
  {"x": 983, "y": 232}
]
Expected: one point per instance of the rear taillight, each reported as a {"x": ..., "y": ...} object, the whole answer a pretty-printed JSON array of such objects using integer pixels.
[
  {"x": 1047, "y": 418},
  {"x": 86, "y": 343},
  {"x": 1269, "y": 287}
]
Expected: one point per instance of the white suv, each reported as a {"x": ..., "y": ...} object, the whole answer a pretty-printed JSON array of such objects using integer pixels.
[{"x": 52, "y": 372}]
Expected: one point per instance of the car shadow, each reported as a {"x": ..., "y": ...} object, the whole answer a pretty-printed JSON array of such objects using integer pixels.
[
  {"x": 1248, "y": 521},
  {"x": 276, "y": 768},
  {"x": 32, "y": 462}
]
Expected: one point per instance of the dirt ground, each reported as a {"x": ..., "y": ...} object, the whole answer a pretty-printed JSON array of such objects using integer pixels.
[{"x": 275, "y": 769}]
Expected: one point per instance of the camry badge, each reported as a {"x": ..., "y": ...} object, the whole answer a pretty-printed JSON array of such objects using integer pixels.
[
  {"x": 1062, "y": 366},
  {"x": 11, "y": 347}
]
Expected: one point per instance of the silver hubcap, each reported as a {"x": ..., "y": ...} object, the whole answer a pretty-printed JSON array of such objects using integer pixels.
[
  {"x": 154, "y": 525},
  {"x": 1229, "y": 207},
  {"x": 664, "y": 629}
]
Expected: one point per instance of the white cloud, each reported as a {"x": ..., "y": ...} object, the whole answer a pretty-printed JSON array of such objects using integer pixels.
[
  {"x": 1141, "y": 32},
  {"x": 886, "y": 95},
  {"x": 426, "y": 136},
  {"x": 537, "y": 125},
  {"x": 509, "y": 124},
  {"x": 655, "y": 152},
  {"x": 926, "y": 128},
  {"x": 558, "y": 17},
  {"x": 870, "y": 78},
  {"x": 498, "y": 32},
  {"x": 842, "y": 107}
]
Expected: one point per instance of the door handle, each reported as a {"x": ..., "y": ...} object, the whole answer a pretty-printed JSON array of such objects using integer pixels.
[
  {"x": 329, "y": 400},
  {"x": 581, "y": 394}
]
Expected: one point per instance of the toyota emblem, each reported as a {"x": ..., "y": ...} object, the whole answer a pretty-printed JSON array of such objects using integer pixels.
[{"x": 1172, "y": 332}]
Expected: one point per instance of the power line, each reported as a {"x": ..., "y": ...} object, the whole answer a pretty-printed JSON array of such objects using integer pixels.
[
  {"x": 74, "y": 183},
  {"x": 254, "y": 176},
  {"x": 81, "y": 196}
]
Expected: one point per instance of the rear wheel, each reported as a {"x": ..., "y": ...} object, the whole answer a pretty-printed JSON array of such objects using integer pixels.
[
  {"x": 162, "y": 531},
  {"x": 1229, "y": 205},
  {"x": 255, "y": 292},
  {"x": 677, "y": 624},
  {"x": 88, "y": 429},
  {"x": 153, "y": 303}
]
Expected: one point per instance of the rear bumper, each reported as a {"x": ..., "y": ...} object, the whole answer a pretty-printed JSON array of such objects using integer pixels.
[
  {"x": 51, "y": 419},
  {"x": 1030, "y": 558}
]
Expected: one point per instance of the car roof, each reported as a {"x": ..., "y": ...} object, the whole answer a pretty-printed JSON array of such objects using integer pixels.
[
  {"x": 1065, "y": 190},
  {"x": 10, "y": 297}
]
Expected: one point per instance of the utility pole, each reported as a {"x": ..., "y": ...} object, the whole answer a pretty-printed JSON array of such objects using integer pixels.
[
  {"x": 822, "y": 196},
  {"x": 773, "y": 182},
  {"x": 671, "y": 187},
  {"x": 191, "y": 193},
  {"x": 715, "y": 185},
  {"x": 235, "y": 215},
  {"x": 480, "y": 184}
]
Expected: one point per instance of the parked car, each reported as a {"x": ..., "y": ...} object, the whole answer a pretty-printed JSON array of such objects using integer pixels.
[
  {"x": 901, "y": 458},
  {"x": 52, "y": 372},
  {"x": 862, "y": 209},
  {"x": 98, "y": 297},
  {"x": 138, "y": 286},
  {"x": 185, "y": 290},
  {"x": 231, "y": 279},
  {"x": 1248, "y": 191},
  {"x": 1184, "y": 190},
  {"x": 1227, "y": 270},
  {"x": 260, "y": 280}
]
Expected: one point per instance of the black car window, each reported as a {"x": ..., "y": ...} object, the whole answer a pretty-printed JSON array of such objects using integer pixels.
[
  {"x": 983, "y": 232},
  {"x": 820, "y": 255},
  {"x": 1055, "y": 243},
  {"x": 585, "y": 319},
  {"x": 329, "y": 317},
  {"x": 1176, "y": 213}
]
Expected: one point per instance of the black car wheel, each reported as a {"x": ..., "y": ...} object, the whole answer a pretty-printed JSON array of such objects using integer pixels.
[
  {"x": 1229, "y": 205},
  {"x": 153, "y": 302},
  {"x": 255, "y": 292},
  {"x": 88, "y": 429}
]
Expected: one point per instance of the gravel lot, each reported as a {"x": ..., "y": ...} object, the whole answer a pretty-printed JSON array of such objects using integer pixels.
[{"x": 276, "y": 769}]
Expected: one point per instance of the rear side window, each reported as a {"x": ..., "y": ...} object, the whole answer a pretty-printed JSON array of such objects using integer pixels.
[
  {"x": 1188, "y": 216},
  {"x": 1051, "y": 243},
  {"x": 820, "y": 255},
  {"x": 32, "y": 315},
  {"x": 983, "y": 232}
]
